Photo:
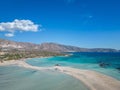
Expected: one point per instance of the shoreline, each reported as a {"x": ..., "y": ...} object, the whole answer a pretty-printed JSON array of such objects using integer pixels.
[
  {"x": 93, "y": 80},
  {"x": 12, "y": 62}
]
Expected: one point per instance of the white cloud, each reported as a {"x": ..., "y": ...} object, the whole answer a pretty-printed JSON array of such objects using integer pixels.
[
  {"x": 18, "y": 25},
  {"x": 9, "y": 34}
]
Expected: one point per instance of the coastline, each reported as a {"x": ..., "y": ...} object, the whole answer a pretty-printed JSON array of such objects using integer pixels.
[
  {"x": 93, "y": 80},
  {"x": 10, "y": 62},
  {"x": 15, "y": 62}
]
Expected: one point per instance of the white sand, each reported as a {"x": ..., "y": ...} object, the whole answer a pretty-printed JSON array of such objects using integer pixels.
[
  {"x": 8, "y": 62},
  {"x": 92, "y": 79}
]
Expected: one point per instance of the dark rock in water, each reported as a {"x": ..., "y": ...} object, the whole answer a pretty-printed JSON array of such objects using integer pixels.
[
  {"x": 56, "y": 69},
  {"x": 34, "y": 71},
  {"x": 118, "y": 68},
  {"x": 103, "y": 65},
  {"x": 57, "y": 64}
]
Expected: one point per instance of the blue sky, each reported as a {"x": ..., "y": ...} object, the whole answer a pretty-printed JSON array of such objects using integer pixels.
[{"x": 83, "y": 23}]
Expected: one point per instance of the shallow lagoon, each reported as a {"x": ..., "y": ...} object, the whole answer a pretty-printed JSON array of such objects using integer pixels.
[{"x": 16, "y": 78}]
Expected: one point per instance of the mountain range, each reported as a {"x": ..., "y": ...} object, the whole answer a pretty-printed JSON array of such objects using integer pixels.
[{"x": 8, "y": 45}]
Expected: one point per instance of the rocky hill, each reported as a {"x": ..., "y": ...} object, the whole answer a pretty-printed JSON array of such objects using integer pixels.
[{"x": 7, "y": 45}]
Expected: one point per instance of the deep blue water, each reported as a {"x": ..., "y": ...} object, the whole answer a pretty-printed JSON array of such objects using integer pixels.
[{"x": 113, "y": 59}]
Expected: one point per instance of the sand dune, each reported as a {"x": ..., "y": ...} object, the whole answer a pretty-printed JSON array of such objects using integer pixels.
[{"x": 92, "y": 79}]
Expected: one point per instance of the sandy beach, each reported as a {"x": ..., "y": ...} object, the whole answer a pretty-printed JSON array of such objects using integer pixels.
[
  {"x": 93, "y": 80},
  {"x": 16, "y": 62},
  {"x": 11, "y": 62}
]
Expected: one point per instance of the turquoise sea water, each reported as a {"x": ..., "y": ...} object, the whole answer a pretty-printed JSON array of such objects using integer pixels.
[
  {"x": 17, "y": 78},
  {"x": 89, "y": 61}
]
